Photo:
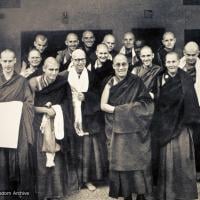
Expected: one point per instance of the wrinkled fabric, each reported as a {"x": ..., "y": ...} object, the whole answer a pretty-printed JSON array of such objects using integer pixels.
[
  {"x": 53, "y": 182},
  {"x": 127, "y": 128},
  {"x": 16, "y": 164},
  {"x": 176, "y": 106},
  {"x": 147, "y": 74}
]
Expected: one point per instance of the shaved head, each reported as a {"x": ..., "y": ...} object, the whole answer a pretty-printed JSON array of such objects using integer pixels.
[
  {"x": 191, "y": 46},
  {"x": 120, "y": 66},
  {"x": 102, "y": 53},
  {"x": 8, "y": 51},
  {"x": 71, "y": 35},
  {"x": 50, "y": 61},
  {"x": 88, "y": 33},
  {"x": 40, "y": 37},
  {"x": 167, "y": 34},
  {"x": 40, "y": 42},
  {"x": 128, "y": 40},
  {"x": 172, "y": 54},
  {"x": 88, "y": 38},
  {"x": 109, "y": 40},
  {"x": 102, "y": 46},
  {"x": 146, "y": 48},
  {"x": 108, "y": 37},
  {"x": 169, "y": 41},
  {"x": 77, "y": 53},
  {"x": 129, "y": 34},
  {"x": 191, "y": 52},
  {"x": 72, "y": 42},
  {"x": 51, "y": 69},
  {"x": 120, "y": 56},
  {"x": 79, "y": 60},
  {"x": 7, "y": 61}
]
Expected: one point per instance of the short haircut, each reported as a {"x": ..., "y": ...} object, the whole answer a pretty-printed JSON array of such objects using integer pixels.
[
  {"x": 172, "y": 53},
  {"x": 120, "y": 55},
  {"x": 40, "y": 37},
  {"x": 50, "y": 60},
  {"x": 168, "y": 33},
  {"x": 8, "y": 51}
]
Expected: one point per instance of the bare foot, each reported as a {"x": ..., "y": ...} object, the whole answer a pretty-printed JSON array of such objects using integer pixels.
[{"x": 90, "y": 187}]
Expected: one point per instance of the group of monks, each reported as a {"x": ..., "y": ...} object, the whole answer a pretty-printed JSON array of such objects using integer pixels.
[{"x": 92, "y": 114}]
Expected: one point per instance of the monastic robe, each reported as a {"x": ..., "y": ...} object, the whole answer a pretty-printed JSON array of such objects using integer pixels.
[
  {"x": 16, "y": 164},
  {"x": 176, "y": 106},
  {"x": 176, "y": 113},
  {"x": 147, "y": 74},
  {"x": 127, "y": 128},
  {"x": 53, "y": 182},
  {"x": 90, "y": 149}
]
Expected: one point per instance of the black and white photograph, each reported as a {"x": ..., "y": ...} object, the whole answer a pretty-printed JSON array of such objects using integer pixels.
[{"x": 99, "y": 100}]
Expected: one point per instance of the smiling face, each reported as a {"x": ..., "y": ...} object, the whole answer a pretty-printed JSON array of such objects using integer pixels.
[
  {"x": 171, "y": 63},
  {"x": 51, "y": 69},
  {"x": 7, "y": 61},
  {"x": 191, "y": 52},
  {"x": 146, "y": 56},
  {"x": 102, "y": 53},
  {"x": 79, "y": 60},
  {"x": 120, "y": 66},
  {"x": 88, "y": 39},
  {"x": 34, "y": 58},
  {"x": 72, "y": 41}
]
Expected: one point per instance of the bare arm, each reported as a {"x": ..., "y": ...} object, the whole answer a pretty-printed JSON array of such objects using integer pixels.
[
  {"x": 44, "y": 109},
  {"x": 104, "y": 100}
]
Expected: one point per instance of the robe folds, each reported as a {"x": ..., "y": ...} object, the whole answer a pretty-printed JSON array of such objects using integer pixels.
[
  {"x": 90, "y": 149},
  {"x": 147, "y": 74},
  {"x": 176, "y": 113},
  {"x": 176, "y": 107},
  {"x": 16, "y": 166},
  {"x": 55, "y": 182},
  {"x": 127, "y": 128}
]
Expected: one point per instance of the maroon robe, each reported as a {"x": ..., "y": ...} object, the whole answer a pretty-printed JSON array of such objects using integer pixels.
[
  {"x": 148, "y": 75},
  {"x": 127, "y": 131},
  {"x": 176, "y": 113},
  {"x": 16, "y": 164},
  {"x": 55, "y": 182}
]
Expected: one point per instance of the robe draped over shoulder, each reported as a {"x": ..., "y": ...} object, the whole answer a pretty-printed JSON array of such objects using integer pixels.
[
  {"x": 128, "y": 127},
  {"x": 16, "y": 164}
]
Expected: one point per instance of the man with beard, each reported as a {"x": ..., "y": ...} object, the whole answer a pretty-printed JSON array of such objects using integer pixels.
[{"x": 128, "y": 110}]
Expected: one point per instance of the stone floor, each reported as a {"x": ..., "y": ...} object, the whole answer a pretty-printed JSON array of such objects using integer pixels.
[{"x": 100, "y": 194}]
